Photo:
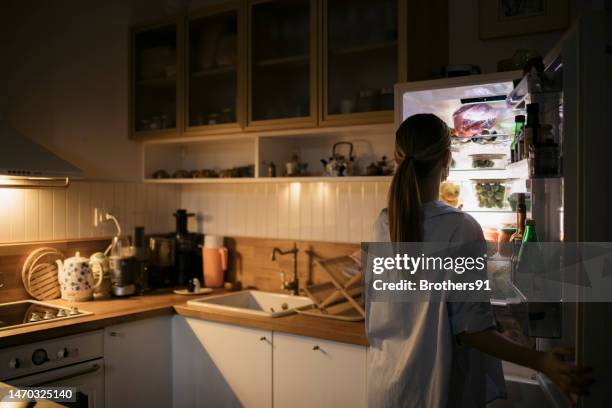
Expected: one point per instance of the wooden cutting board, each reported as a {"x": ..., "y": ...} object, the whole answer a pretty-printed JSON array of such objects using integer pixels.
[{"x": 39, "y": 273}]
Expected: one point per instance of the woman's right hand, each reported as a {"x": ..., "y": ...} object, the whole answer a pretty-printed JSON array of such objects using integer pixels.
[{"x": 571, "y": 378}]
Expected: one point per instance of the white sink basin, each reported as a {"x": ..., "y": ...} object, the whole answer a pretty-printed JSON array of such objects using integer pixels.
[{"x": 253, "y": 302}]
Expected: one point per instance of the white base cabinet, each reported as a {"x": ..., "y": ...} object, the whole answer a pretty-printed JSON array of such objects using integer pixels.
[
  {"x": 220, "y": 365},
  {"x": 224, "y": 365},
  {"x": 310, "y": 372},
  {"x": 138, "y": 364}
]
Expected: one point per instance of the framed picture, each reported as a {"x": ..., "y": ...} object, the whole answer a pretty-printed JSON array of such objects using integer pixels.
[{"x": 509, "y": 18}]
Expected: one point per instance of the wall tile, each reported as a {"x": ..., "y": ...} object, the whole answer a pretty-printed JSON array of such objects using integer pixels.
[
  {"x": 336, "y": 211},
  {"x": 31, "y": 215},
  {"x": 44, "y": 214},
  {"x": 45, "y": 210},
  {"x": 59, "y": 214},
  {"x": 18, "y": 224}
]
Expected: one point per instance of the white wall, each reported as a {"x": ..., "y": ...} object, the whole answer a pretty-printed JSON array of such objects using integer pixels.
[
  {"x": 66, "y": 79},
  {"x": 465, "y": 46}
]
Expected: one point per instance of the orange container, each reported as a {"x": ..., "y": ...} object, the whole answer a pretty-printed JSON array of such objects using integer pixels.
[{"x": 215, "y": 265}]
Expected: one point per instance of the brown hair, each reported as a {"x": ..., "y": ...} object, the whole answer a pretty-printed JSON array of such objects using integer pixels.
[{"x": 421, "y": 141}]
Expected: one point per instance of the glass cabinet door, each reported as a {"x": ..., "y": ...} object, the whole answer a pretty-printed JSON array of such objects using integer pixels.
[
  {"x": 361, "y": 58},
  {"x": 155, "y": 79},
  {"x": 214, "y": 63},
  {"x": 282, "y": 60}
]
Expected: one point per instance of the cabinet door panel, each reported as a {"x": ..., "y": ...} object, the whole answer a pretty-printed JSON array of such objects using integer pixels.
[
  {"x": 221, "y": 365},
  {"x": 215, "y": 64},
  {"x": 311, "y": 372},
  {"x": 138, "y": 364},
  {"x": 361, "y": 53},
  {"x": 282, "y": 62},
  {"x": 156, "y": 62}
]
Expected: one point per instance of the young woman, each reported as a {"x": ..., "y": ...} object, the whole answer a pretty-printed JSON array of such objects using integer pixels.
[{"x": 440, "y": 354}]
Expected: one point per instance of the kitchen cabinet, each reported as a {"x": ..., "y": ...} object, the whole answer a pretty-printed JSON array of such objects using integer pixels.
[
  {"x": 156, "y": 79},
  {"x": 138, "y": 365},
  {"x": 311, "y": 372},
  {"x": 281, "y": 65},
  {"x": 223, "y": 365},
  {"x": 216, "y": 66},
  {"x": 363, "y": 34},
  {"x": 220, "y": 365},
  {"x": 282, "y": 53}
]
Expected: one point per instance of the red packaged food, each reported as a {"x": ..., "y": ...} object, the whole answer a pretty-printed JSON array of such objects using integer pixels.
[{"x": 470, "y": 120}]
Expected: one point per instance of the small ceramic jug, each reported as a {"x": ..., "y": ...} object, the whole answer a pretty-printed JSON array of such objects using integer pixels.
[{"x": 76, "y": 278}]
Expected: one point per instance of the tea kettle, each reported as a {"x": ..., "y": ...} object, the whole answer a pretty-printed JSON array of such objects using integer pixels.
[
  {"x": 76, "y": 278},
  {"x": 338, "y": 165}
]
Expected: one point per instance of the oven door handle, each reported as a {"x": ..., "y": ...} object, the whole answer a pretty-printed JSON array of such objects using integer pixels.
[{"x": 94, "y": 367}]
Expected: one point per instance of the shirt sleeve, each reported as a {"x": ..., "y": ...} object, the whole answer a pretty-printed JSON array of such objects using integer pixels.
[{"x": 470, "y": 317}]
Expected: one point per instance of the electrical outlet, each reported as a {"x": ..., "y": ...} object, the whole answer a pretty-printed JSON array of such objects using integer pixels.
[{"x": 99, "y": 216}]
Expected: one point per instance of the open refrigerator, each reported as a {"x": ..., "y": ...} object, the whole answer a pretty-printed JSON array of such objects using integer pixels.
[{"x": 566, "y": 206}]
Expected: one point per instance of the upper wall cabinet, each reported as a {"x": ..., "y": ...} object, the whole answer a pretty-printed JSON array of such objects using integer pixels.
[
  {"x": 361, "y": 59},
  {"x": 261, "y": 65},
  {"x": 216, "y": 67},
  {"x": 282, "y": 76},
  {"x": 156, "y": 86}
]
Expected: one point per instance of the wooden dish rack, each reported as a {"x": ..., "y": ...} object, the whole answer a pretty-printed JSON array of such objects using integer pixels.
[{"x": 342, "y": 297}]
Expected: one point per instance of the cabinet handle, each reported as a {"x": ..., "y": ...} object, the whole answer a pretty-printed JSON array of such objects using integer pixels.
[
  {"x": 113, "y": 334},
  {"x": 263, "y": 338},
  {"x": 315, "y": 348}
]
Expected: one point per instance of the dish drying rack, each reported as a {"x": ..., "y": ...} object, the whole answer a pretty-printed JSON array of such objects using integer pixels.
[{"x": 342, "y": 297}]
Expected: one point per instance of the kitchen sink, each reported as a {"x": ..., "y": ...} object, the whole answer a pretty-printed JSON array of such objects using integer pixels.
[{"x": 253, "y": 302}]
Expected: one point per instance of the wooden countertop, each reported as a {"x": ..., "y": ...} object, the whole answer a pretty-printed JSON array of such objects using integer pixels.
[
  {"x": 329, "y": 329},
  {"x": 114, "y": 311}
]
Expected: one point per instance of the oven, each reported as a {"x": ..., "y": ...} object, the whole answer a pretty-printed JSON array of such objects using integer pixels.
[
  {"x": 73, "y": 361},
  {"x": 87, "y": 378}
]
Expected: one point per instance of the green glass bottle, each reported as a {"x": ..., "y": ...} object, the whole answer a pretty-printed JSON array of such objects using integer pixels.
[{"x": 529, "y": 253}]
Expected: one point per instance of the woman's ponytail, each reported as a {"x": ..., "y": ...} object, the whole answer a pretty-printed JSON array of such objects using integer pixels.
[
  {"x": 405, "y": 206},
  {"x": 421, "y": 142}
]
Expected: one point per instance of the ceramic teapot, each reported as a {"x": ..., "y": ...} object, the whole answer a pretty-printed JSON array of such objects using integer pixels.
[
  {"x": 338, "y": 165},
  {"x": 77, "y": 281}
]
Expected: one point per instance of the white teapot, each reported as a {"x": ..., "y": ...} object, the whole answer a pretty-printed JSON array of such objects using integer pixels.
[{"x": 76, "y": 278}]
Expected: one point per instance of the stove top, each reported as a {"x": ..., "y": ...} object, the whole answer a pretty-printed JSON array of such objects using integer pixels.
[{"x": 29, "y": 312}]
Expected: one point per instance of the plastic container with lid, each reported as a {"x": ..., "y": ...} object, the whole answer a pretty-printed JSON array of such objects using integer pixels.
[
  {"x": 489, "y": 161},
  {"x": 491, "y": 194}
]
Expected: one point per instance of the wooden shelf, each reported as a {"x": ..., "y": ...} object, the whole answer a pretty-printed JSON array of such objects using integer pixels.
[
  {"x": 248, "y": 180},
  {"x": 284, "y": 61},
  {"x": 213, "y": 72},
  {"x": 365, "y": 49}
]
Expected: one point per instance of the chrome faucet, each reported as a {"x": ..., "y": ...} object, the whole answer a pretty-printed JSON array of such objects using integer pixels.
[{"x": 294, "y": 285}]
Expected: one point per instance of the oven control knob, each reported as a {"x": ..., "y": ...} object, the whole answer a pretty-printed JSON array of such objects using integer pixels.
[
  {"x": 39, "y": 357},
  {"x": 35, "y": 317},
  {"x": 48, "y": 315},
  {"x": 15, "y": 363},
  {"x": 62, "y": 353},
  {"x": 61, "y": 313},
  {"x": 74, "y": 311}
]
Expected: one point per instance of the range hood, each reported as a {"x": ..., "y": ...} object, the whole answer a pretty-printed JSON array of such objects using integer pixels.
[{"x": 26, "y": 164}]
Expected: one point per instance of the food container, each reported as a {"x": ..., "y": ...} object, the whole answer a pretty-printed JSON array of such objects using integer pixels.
[
  {"x": 489, "y": 161},
  {"x": 491, "y": 235},
  {"x": 504, "y": 247},
  {"x": 491, "y": 194},
  {"x": 513, "y": 198}
]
